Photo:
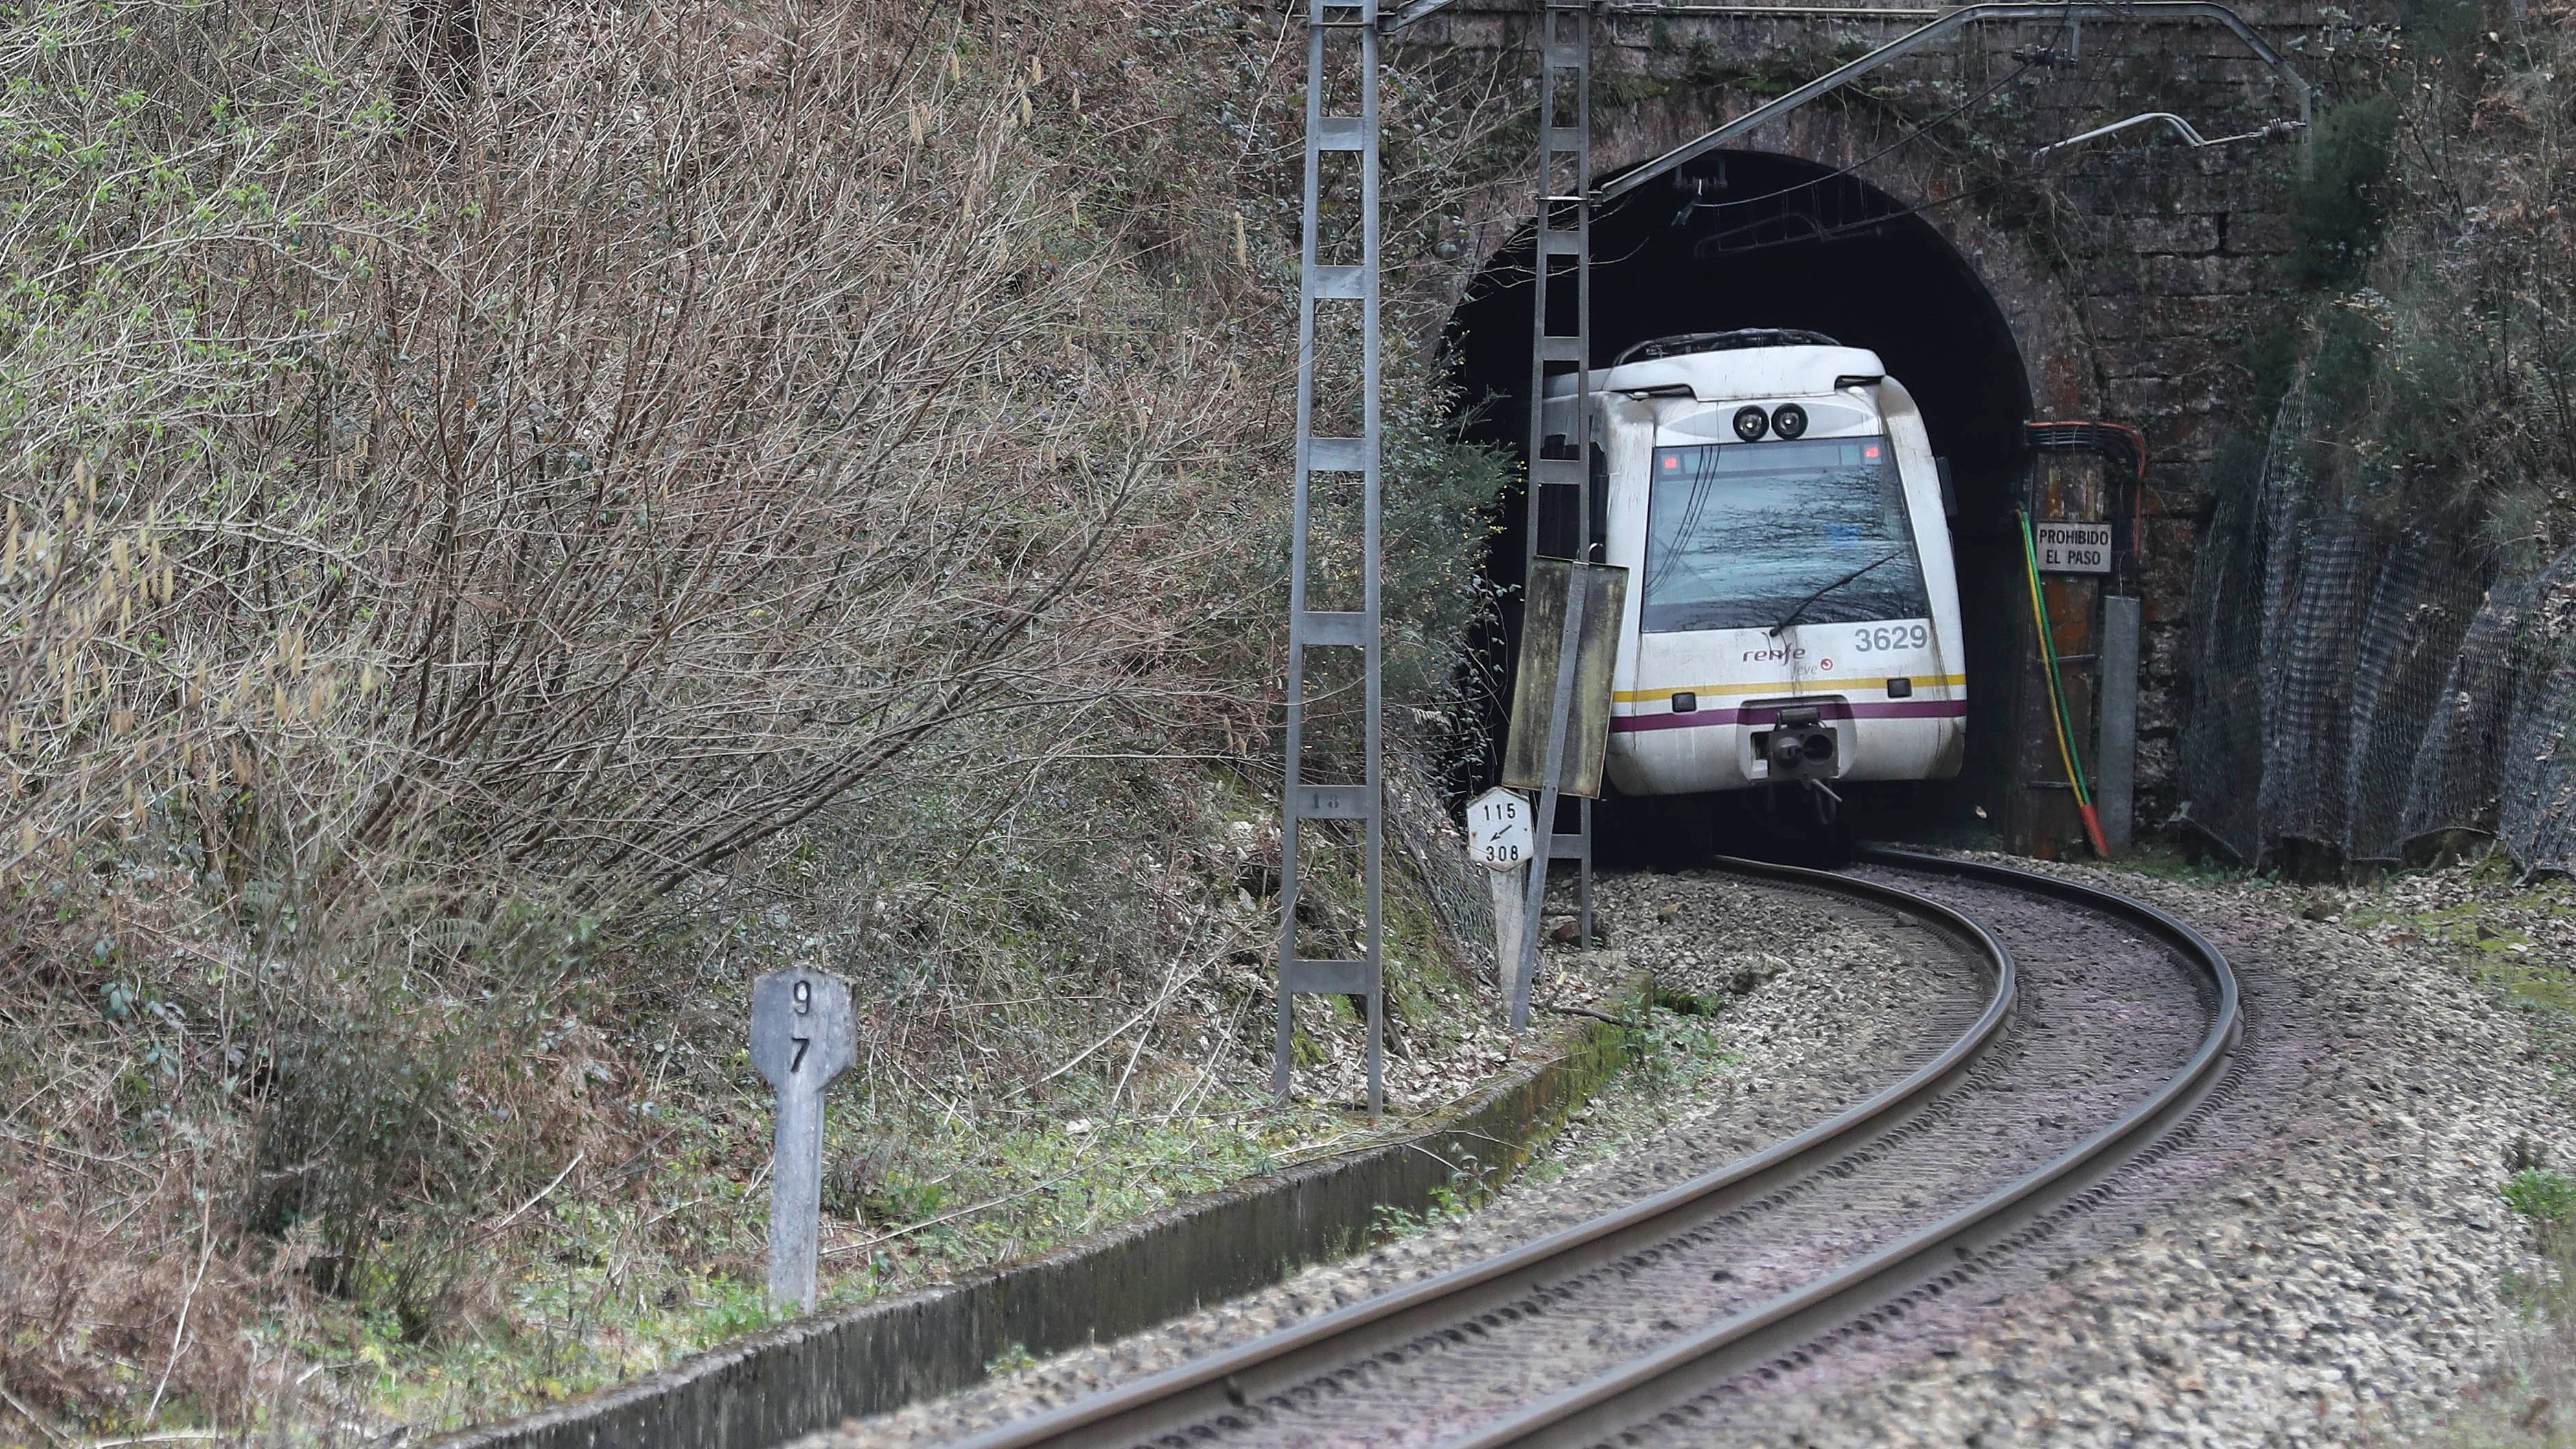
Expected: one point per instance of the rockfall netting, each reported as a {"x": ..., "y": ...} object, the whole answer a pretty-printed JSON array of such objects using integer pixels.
[{"x": 2362, "y": 684}]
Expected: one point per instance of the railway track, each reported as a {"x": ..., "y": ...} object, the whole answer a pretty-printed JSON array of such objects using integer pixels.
[{"x": 2104, "y": 1023}]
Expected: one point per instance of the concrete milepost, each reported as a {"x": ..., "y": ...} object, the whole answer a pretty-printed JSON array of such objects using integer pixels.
[
  {"x": 802, "y": 1037},
  {"x": 1500, "y": 838}
]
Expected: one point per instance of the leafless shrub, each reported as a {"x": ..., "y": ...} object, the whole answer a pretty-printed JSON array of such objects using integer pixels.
[
  {"x": 465, "y": 479},
  {"x": 585, "y": 489},
  {"x": 492, "y": 492}
]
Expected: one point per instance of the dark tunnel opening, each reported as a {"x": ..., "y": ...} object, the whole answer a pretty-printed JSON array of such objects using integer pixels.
[{"x": 1753, "y": 239}]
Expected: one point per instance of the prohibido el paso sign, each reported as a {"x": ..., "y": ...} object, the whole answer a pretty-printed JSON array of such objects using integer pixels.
[{"x": 2074, "y": 548}]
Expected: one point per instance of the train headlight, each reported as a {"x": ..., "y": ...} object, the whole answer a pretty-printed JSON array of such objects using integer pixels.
[
  {"x": 1789, "y": 420},
  {"x": 1750, "y": 424}
]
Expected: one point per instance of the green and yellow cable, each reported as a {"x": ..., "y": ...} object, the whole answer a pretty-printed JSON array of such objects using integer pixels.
[{"x": 2057, "y": 694}]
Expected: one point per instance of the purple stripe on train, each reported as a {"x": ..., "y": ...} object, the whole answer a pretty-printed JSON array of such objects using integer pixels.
[{"x": 1769, "y": 714}]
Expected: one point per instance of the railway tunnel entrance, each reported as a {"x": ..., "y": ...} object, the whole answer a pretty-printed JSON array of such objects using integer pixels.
[{"x": 1759, "y": 239}]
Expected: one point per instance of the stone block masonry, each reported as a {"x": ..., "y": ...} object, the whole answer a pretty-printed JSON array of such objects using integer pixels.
[{"x": 2134, "y": 272}]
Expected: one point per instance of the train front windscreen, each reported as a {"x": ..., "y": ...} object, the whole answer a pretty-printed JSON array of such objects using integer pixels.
[{"x": 1764, "y": 535}]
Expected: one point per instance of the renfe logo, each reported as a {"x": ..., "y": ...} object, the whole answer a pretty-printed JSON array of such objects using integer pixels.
[{"x": 1773, "y": 656}]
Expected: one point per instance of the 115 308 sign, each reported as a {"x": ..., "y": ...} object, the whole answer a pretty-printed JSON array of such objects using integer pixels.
[{"x": 1498, "y": 830}]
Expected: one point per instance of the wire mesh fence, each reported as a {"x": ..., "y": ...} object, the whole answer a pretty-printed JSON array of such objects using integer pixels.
[{"x": 2362, "y": 685}]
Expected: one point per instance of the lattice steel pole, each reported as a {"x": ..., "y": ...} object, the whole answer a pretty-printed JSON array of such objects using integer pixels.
[
  {"x": 1320, "y": 282},
  {"x": 1563, "y": 254}
]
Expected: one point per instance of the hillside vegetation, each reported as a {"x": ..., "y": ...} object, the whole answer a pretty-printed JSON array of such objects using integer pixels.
[
  {"x": 518, "y": 519},
  {"x": 2435, "y": 240}
]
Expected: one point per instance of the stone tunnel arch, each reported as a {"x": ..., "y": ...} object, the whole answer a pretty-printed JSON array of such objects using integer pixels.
[{"x": 1821, "y": 234}]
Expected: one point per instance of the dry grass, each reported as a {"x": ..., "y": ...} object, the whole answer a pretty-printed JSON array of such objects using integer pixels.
[{"x": 78, "y": 1334}]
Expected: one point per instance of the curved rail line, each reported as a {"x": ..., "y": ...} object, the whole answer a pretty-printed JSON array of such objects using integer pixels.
[
  {"x": 1637, "y": 1390},
  {"x": 1221, "y": 1385}
]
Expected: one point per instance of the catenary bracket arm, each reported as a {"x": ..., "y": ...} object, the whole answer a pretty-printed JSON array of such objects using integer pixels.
[
  {"x": 1404, "y": 15},
  {"x": 2190, "y": 135},
  {"x": 1954, "y": 20}
]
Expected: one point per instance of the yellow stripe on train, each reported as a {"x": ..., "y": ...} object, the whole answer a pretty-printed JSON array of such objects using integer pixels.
[{"x": 1778, "y": 686}]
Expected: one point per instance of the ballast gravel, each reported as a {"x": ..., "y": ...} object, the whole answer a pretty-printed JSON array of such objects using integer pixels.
[
  {"x": 2318, "y": 1264},
  {"x": 2335, "y": 1282}
]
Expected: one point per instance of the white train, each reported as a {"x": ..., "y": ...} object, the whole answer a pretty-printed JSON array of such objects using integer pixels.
[{"x": 1792, "y": 611}]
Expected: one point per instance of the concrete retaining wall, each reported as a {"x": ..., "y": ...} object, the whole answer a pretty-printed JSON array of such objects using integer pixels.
[{"x": 813, "y": 1374}]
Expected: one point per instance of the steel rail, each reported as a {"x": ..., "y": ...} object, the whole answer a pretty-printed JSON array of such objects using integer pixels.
[
  {"x": 1223, "y": 1383},
  {"x": 1689, "y": 1366}
]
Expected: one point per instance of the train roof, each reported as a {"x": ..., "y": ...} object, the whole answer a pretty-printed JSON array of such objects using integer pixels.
[{"x": 1794, "y": 370}]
